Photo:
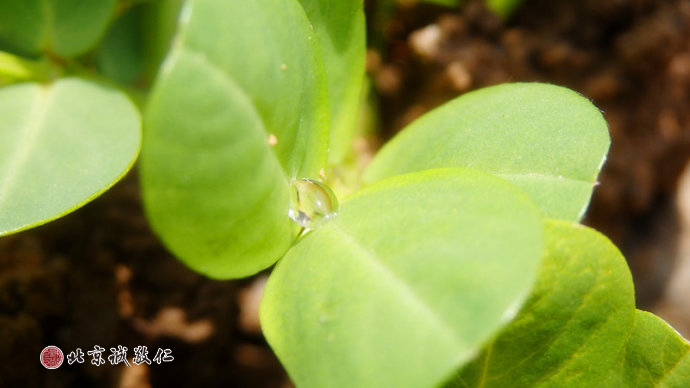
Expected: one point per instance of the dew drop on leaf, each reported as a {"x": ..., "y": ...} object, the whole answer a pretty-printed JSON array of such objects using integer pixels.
[{"x": 311, "y": 202}]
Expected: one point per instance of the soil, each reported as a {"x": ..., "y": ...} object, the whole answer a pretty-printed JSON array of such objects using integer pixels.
[{"x": 100, "y": 277}]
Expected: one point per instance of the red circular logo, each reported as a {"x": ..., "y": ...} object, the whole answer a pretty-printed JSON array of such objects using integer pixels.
[{"x": 51, "y": 357}]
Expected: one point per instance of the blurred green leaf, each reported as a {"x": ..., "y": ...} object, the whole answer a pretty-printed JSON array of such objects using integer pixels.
[
  {"x": 61, "y": 145},
  {"x": 14, "y": 68},
  {"x": 406, "y": 283},
  {"x": 504, "y": 8},
  {"x": 239, "y": 110},
  {"x": 160, "y": 24},
  {"x": 121, "y": 53},
  {"x": 546, "y": 139},
  {"x": 137, "y": 42},
  {"x": 339, "y": 27},
  {"x": 66, "y": 28}
]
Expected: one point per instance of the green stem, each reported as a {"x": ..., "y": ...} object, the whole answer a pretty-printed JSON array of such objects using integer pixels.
[{"x": 18, "y": 68}]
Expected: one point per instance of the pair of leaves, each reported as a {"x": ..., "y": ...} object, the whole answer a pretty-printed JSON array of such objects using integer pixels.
[
  {"x": 579, "y": 326},
  {"x": 230, "y": 125},
  {"x": 63, "y": 143},
  {"x": 552, "y": 147}
]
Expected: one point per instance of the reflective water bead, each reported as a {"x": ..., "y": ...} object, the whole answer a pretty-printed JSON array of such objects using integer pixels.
[{"x": 311, "y": 202}]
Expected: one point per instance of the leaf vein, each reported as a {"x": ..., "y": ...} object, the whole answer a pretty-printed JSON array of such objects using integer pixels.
[
  {"x": 550, "y": 343},
  {"x": 667, "y": 372},
  {"x": 26, "y": 143},
  {"x": 408, "y": 292}
]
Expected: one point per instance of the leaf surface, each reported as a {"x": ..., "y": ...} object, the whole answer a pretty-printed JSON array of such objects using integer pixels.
[
  {"x": 580, "y": 328},
  {"x": 546, "y": 139},
  {"x": 61, "y": 146},
  {"x": 574, "y": 326},
  {"x": 339, "y": 27},
  {"x": 64, "y": 27},
  {"x": 405, "y": 283},
  {"x": 240, "y": 108},
  {"x": 655, "y": 355},
  {"x": 138, "y": 40},
  {"x": 121, "y": 54}
]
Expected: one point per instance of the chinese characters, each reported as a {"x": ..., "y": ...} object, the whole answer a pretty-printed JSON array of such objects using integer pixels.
[{"x": 118, "y": 355}]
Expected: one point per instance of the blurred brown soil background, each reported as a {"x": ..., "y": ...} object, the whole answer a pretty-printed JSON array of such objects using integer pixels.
[{"x": 100, "y": 277}]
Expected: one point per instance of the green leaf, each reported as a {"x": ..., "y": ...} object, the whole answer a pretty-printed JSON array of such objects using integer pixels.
[
  {"x": 655, "y": 355},
  {"x": 339, "y": 27},
  {"x": 504, "y": 8},
  {"x": 242, "y": 75},
  {"x": 160, "y": 19},
  {"x": 121, "y": 54},
  {"x": 137, "y": 42},
  {"x": 447, "y": 3},
  {"x": 61, "y": 145},
  {"x": 571, "y": 331},
  {"x": 405, "y": 283},
  {"x": 264, "y": 47},
  {"x": 546, "y": 139},
  {"x": 64, "y": 27}
]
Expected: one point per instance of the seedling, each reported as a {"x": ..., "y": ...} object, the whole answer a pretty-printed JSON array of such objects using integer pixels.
[{"x": 459, "y": 262}]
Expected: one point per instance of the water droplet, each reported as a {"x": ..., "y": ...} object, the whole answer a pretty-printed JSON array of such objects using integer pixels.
[{"x": 311, "y": 203}]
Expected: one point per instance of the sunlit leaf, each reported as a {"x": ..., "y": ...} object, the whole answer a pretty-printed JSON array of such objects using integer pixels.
[
  {"x": 339, "y": 27},
  {"x": 61, "y": 145},
  {"x": 405, "y": 283},
  {"x": 546, "y": 139},
  {"x": 239, "y": 110},
  {"x": 571, "y": 331}
]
